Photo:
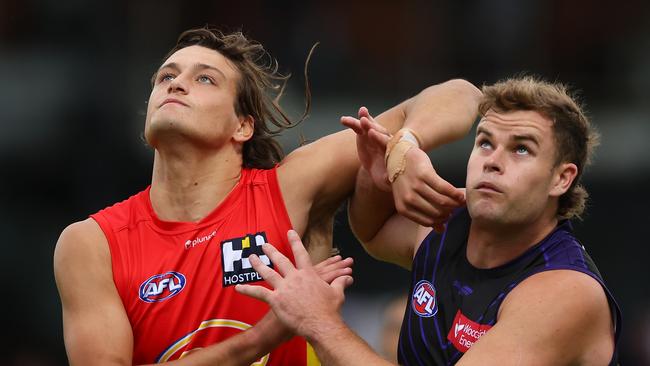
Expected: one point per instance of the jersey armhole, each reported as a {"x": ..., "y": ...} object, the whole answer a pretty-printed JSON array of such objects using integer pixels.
[
  {"x": 615, "y": 310},
  {"x": 111, "y": 240},
  {"x": 278, "y": 199}
]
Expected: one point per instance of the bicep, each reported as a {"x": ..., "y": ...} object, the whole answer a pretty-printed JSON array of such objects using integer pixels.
[
  {"x": 397, "y": 241},
  {"x": 96, "y": 328}
]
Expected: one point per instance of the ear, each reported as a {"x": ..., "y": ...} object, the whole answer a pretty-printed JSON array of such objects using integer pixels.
[
  {"x": 245, "y": 129},
  {"x": 563, "y": 177}
]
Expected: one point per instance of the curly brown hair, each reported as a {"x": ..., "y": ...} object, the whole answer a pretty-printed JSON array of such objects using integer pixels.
[
  {"x": 575, "y": 138},
  {"x": 259, "y": 78}
]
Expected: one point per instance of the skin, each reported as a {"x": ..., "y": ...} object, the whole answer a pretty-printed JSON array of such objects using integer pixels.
[
  {"x": 558, "y": 317},
  {"x": 198, "y": 137}
]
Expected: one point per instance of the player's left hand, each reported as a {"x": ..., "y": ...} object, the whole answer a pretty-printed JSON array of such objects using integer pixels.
[
  {"x": 300, "y": 298},
  {"x": 334, "y": 267}
]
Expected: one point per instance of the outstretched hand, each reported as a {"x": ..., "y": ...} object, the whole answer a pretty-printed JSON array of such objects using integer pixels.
[
  {"x": 371, "y": 145},
  {"x": 420, "y": 194},
  {"x": 301, "y": 297}
]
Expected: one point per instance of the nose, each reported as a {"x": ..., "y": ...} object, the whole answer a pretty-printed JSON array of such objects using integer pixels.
[
  {"x": 177, "y": 85},
  {"x": 494, "y": 162}
]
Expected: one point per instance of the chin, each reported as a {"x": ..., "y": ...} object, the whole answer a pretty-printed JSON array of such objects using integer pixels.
[
  {"x": 485, "y": 211},
  {"x": 165, "y": 130}
]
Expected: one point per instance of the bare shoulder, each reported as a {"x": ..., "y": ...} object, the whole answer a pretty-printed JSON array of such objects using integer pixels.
[
  {"x": 80, "y": 242},
  {"x": 567, "y": 309},
  {"x": 81, "y": 254},
  {"x": 572, "y": 289},
  {"x": 558, "y": 317}
]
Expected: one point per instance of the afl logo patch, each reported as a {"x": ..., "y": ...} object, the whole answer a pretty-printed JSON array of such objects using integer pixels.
[
  {"x": 423, "y": 300},
  {"x": 162, "y": 286}
]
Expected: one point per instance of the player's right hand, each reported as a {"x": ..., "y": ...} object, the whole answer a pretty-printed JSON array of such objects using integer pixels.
[{"x": 299, "y": 297}]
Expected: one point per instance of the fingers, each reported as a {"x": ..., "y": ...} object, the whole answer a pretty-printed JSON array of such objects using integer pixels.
[
  {"x": 333, "y": 263},
  {"x": 418, "y": 217},
  {"x": 328, "y": 261},
  {"x": 445, "y": 188},
  {"x": 341, "y": 283},
  {"x": 299, "y": 252},
  {"x": 258, "y": 292},
  {"x": 439, "y": 192},
  {"x": 352, "y": 123},
  {"x": 379, "y": 138},
  {"x": 334, "y": 267},
  {"x": 368, "y": 124},
  {"x": 435, "y": 213},
  {"x": 281, "y": 263},
  {"x": 363, "y": 112},
  {"x": 268, "y": 274}
]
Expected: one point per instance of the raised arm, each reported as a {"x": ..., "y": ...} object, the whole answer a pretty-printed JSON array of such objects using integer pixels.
[
  {"x": 96, "y": 328},
  {"x": 418, "y": 193},
  {"x": 317, "y": 177}
]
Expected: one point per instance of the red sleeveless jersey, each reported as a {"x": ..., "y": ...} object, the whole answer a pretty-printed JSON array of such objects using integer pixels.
[{"x": 177, "y": 279}]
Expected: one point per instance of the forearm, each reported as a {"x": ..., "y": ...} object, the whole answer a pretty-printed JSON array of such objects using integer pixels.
[
  {"x": 335, "y": 344},
  {"x": 442, "y": 113},
  {"x": 241, "y": 349},
  {"x": 369, "y": 208}
]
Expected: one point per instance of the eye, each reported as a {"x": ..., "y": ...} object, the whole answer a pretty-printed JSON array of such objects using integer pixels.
[
  {"x": 204, "y": 79},
  {"x": 522, "y": 150},
  {"x": 165, "y": 77},
  {"x": 483, "y": 144}
]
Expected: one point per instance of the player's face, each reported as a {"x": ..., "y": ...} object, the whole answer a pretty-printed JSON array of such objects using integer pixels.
[
  {"x": 193, "y": 98},
  {"x": 511, "y": 172}
]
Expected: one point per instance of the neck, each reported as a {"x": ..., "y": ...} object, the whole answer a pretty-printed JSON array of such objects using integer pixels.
[
  {"x": 490, "y": 245},
  {"x": 188, "y": 186}
]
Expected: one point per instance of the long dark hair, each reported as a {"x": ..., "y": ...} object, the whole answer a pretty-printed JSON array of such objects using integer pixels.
[{"x": 259, "y": 79}]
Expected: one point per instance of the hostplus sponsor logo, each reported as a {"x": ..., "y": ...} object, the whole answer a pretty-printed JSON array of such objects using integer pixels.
[
  {"x": 199, "y": 240},
  {"x": 423, "y": 300},
  {"x": 162, "y": 286},
  {"x": 237, "y": 268},
  {"x": 465, "y": 332}
]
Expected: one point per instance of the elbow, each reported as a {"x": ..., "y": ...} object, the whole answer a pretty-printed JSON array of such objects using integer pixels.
[{"x": 465, "y": 87}]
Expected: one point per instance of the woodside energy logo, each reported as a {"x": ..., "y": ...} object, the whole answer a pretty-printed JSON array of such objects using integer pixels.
[{"x": 465, "y": 332}]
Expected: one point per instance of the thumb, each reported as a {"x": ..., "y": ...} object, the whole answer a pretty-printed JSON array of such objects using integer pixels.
[{"x": 341, "y": 283}]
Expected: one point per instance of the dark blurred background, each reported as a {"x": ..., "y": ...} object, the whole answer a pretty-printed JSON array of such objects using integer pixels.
[{"x": 74, "y": 78}]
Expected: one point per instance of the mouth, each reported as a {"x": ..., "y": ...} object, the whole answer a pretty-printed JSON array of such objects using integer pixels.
[
  {"x": 172, "y": 101},
  {"x": 487, "y": 187}
]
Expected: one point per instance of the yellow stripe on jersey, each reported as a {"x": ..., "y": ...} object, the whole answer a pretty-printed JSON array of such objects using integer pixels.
[
  {"x": 212, "y": 323},
  {"x": 312, "y": 359}
]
